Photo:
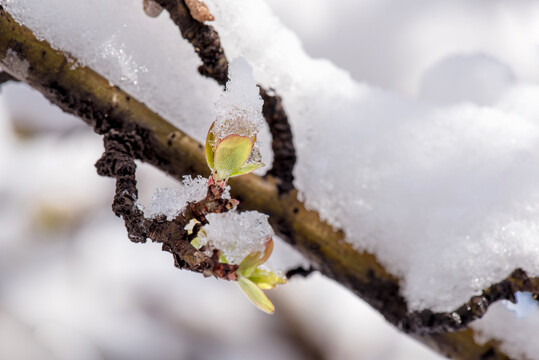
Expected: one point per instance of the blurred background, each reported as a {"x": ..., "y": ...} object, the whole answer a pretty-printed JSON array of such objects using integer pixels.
[{"x": 72, "y": 286}]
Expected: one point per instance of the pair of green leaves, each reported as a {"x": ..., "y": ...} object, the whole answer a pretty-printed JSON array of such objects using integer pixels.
[
  {"x": 253, "y": 280},
  {"x": 229, "y": 158}
]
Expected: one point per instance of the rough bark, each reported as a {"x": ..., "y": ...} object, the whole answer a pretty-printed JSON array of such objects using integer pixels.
[{"x": 284, "y": 152}]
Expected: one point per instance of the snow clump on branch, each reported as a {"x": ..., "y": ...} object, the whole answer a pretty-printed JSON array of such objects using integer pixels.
[
  {"x": 239, "y": 108},
  {"x": 237, "y": 234},
  {"x": 170, "y": 202},
  {"x": 231, "y": 146}
]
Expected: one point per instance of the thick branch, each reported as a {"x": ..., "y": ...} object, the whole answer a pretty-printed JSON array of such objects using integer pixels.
[{"x": 83, "y": 92}]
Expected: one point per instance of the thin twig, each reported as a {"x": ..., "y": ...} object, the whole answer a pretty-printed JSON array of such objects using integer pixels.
[
  {"x": 118, "y": 161},
  {"x": 300, "y": 271},
  {"x": 284, "y": 152},
  {"x": 430, "y": 322}
]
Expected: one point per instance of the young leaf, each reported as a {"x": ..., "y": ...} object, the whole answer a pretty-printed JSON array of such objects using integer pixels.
[
  {"x": 222, "y": 259},
  {"x": 266, "y": 279},
  {"x": 247, "y": 168},
  {"x": 231, "y": 153},
  {"x": 209, "y": 149},
  {"x": 249, "y": 264},
  {"x": 196, "y": 243},
  {"x": 256, "y": 295},
  {"x": 267, "y": 251}
]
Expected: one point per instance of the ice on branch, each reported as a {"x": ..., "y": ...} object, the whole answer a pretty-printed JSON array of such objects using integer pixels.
[
  {"x": 236, "y": 235},
  {"x": 170, "y": 202}
]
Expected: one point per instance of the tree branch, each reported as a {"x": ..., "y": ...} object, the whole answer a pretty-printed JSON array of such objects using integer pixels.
[
  {"x": 284, "y": 152},
  {"x": 118, "y": 161},
  {"x": 300, "y": 271},
  {"x": 109, "y": 110},
  {"x": 428, "y": 322}
]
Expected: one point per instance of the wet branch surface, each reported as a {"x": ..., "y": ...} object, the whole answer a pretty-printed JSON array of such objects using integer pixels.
[
  {"x": 207, "y": 44},
  {"x": 132, "y": 131}
]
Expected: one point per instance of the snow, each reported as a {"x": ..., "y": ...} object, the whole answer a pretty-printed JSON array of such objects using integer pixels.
[
  {"x": 170, "y": 202},
  {"x": 460, "y": 78},
  {"x": 442, "y": 188},
  {"x": 239, "y": 108},
  {"x": 237, "y": 234},
  {"x": 392, "y": 43},
  {"x": 163, "y": 75},
  {"x": 517, "y": 335}
]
